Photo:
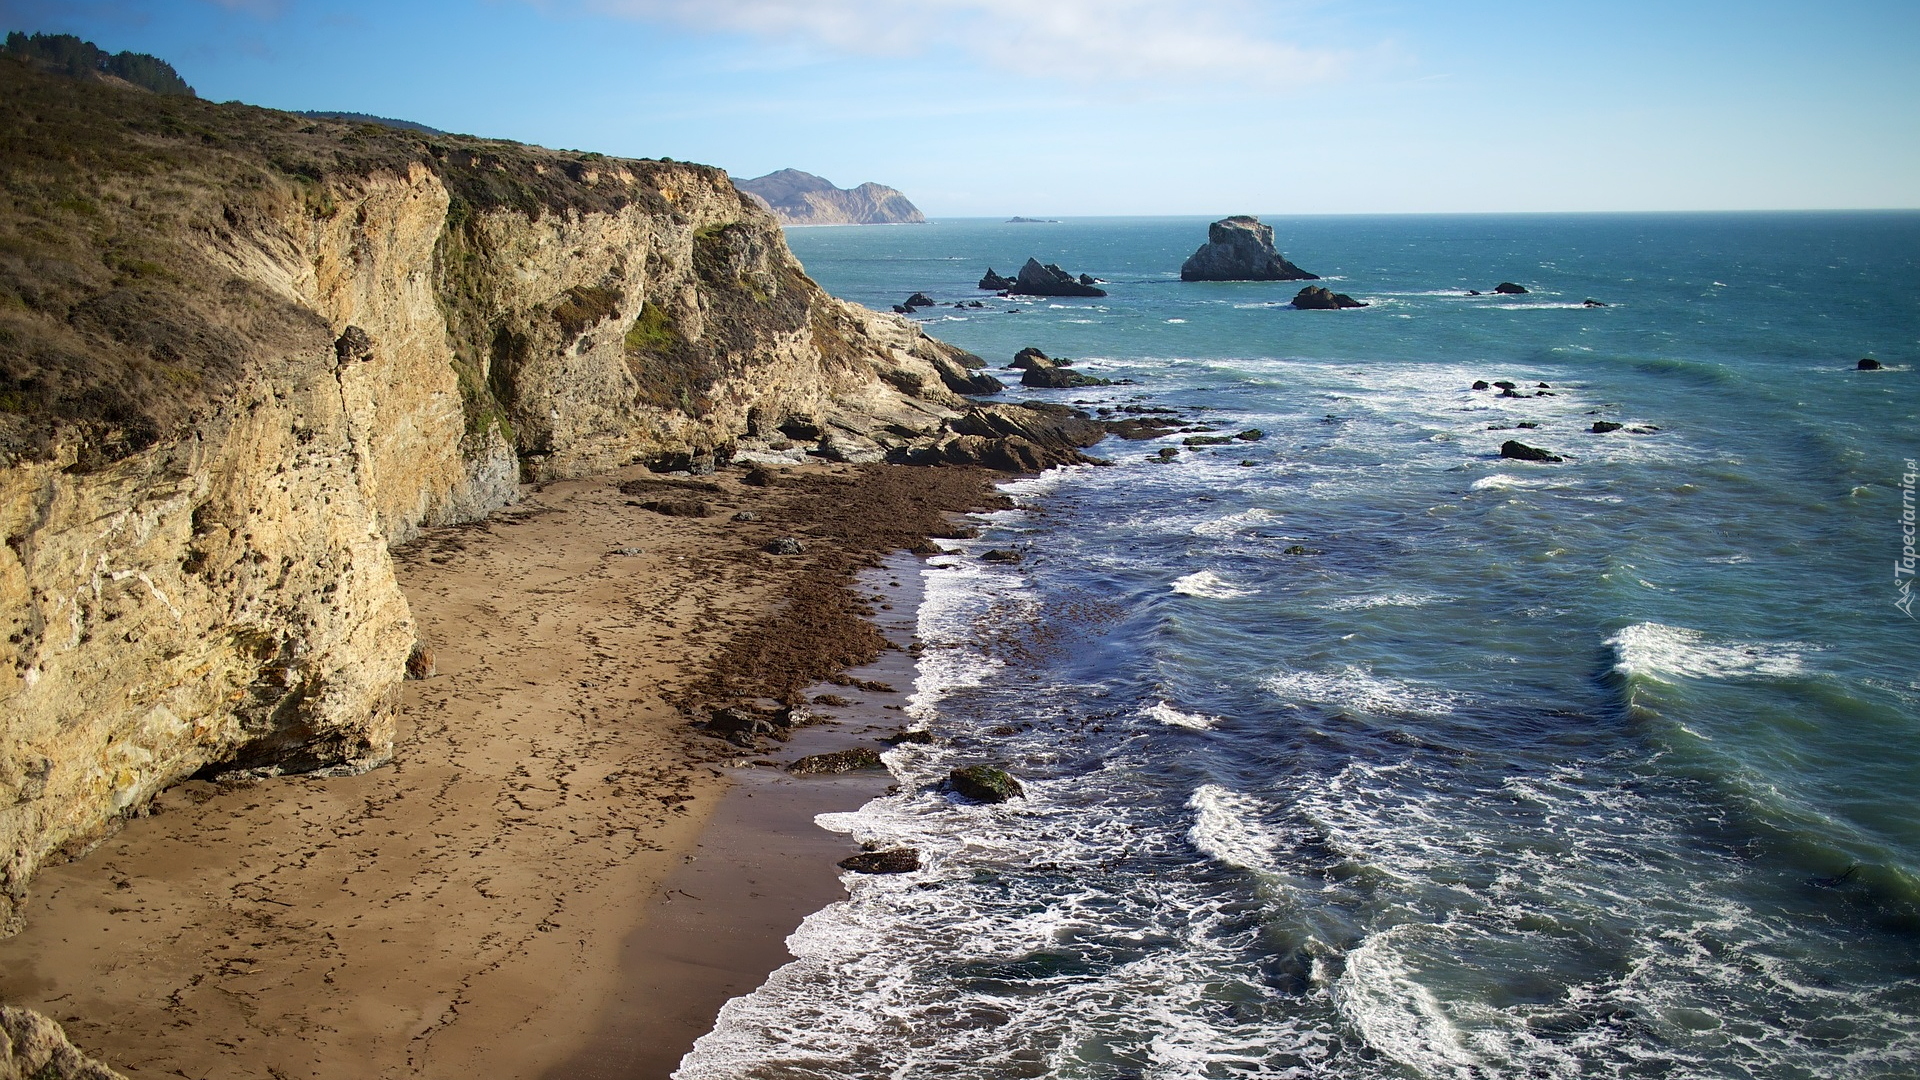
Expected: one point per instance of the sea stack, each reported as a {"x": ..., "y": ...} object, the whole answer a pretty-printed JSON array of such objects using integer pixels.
[
  {"x": 1240, "y": 249},
  {"x": 1050, "y": 280}
]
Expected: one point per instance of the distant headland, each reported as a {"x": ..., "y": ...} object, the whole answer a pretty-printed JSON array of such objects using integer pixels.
[{"x": 799, "y": 198}]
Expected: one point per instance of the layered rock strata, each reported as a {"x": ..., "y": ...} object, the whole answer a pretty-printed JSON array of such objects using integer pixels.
[{"x": 242, "y": 353}]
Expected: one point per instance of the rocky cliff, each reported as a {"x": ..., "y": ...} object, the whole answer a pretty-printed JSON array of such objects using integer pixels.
[
  {"x": 243, "y": 352},
  {"x": 799, "y": 198}
]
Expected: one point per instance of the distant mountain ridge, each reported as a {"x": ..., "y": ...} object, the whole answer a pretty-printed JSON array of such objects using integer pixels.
[
  {"x": 800, "y": 198},
  {"x": 369, "y": 118}
]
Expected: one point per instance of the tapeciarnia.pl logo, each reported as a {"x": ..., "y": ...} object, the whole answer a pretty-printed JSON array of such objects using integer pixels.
[{"x": 1903, "y": 567}]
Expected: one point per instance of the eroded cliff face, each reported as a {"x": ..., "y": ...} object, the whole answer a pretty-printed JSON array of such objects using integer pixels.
[{"x": 359, "y": 333}]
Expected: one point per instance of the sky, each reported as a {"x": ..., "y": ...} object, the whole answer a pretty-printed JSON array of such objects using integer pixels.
[{"x": 1118, "y": 107}]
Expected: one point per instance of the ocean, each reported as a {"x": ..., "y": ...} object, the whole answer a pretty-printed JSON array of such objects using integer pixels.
[{"x": 1355, "y": 750}]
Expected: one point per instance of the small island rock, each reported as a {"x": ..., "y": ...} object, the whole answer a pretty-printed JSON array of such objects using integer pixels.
[
  {"x": 1508, "y": 288},
  {"x": 1867, "y": 363},
  {"x": 1519, "y": 451},
  {"x": 1240, "y": 248},
  {"x": 1318, "y": 298},
  {"x": 996, "y": 282},
  {"x": 1049, "y": 280}
]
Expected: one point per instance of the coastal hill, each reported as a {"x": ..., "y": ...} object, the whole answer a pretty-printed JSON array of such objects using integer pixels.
[
  {"x": 243, "y": 353},
  {"x": 799, "y": 198}
]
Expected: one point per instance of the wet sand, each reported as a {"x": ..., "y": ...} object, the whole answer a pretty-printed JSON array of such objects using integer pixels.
[{"x": 513, "y": 895}]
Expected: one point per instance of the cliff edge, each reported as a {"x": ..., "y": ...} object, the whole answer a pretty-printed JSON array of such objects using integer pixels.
[
  {"x": 799, "y": 198},
  {"x": 243, "y": 352}
]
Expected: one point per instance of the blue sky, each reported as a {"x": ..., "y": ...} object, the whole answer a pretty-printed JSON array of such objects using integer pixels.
[{"x": 1074, "y": 107}]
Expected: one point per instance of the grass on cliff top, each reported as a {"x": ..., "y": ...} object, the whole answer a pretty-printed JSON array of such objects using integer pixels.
[{"x": 116, "y": 324}]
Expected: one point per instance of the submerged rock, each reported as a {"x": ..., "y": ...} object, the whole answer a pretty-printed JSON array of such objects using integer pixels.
[
  {"x": 1319, "y": 298},
  {"x": 1240, "y": 248},
  {"x": 1049, "y": 280},
  {"x": 893, "y": 861},
  {"x": 1519, "y": 451},
  {"x": 984, "y": 783},
  {"x": 1601, "y": 427}
]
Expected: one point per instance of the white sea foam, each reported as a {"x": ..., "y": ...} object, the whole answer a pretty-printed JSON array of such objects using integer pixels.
[
  {"x": 1398, "y": 1016},
  {"x": 1226, "y": 827},
  {"x": 1220, "y": 528},
  {"x": 1210, "y": 586},
  {"x": 1176, "y": 320},
  {"x": 1357, "y": 688},
  {"x": 1658, "y": 651},
  {"x": 1507, "y": 481},
  {"x": 1364, "y": 603},
  {"x": 1172, "y": 717}
]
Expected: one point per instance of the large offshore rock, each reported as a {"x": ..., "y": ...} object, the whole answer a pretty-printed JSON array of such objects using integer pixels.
[{"x": 1240, "y": 249}]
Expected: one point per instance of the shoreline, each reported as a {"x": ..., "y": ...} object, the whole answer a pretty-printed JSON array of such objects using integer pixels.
[{"x": 477, "y": 903}]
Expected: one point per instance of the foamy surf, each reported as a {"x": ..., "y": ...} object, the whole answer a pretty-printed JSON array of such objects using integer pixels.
[
  {"x": 1657, "y": 651},
  {"x": 1208, "y": 585},
  {"x": 1166, "y": 714}
]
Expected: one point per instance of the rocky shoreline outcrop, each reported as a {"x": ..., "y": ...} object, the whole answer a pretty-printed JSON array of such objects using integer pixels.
[
  {"x": 327, "y": 338},
  {"x": 1240, "y": 248}
]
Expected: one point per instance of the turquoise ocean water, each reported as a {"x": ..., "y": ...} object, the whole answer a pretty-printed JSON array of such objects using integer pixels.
[{"x": 1607, "y": 768}]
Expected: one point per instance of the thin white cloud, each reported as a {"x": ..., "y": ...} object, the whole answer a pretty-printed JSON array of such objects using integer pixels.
[{"x": 1197, "y": 41}]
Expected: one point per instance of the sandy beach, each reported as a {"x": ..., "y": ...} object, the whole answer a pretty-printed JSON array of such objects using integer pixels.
[{"x": 558, "y": 874}]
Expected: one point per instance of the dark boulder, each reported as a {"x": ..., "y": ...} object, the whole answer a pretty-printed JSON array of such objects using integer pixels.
[
  {"x": 916, "y": 737},
  {"x": 1591, "y": 303},
  {"x": 1025, "y": 357},
  {"x": 1505, "y": 384},
  {"x": 1206, "y": 440},
  {"x": 1318, "y": 298},
  {"x": 1867, "y": 364},
  {"x": 1480, "y": 384},
  {"x": 1140, "y": 428},
  {"x": 902, "y": 309},
  {"x": 859, "y": 759},
  {"x": 919, "y": 300},
  {"x": 759, "y": 476},
  {"x": 1508, "y": 288},
  {"x": 984, "y": 783},
  {"x": 893, "y": 861},
  {"x": 1048, "y": 375},
  {"x": 996, "y": 282},
  {"x": 786, "y": 545},
  {"x": 1001, "y": 555},
  {"x": 420, "y": 662},
  {"x": 1240, "y": 249},
  {"x": 1049, "y": 280},
  {"x": 1089, "y": 279},
  {"x": 1252, "y": 434},
  {"x": 353, "y": 346},
  {"x": 1519, "y": 451},
  {"x": 1601, "y": 427}
]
